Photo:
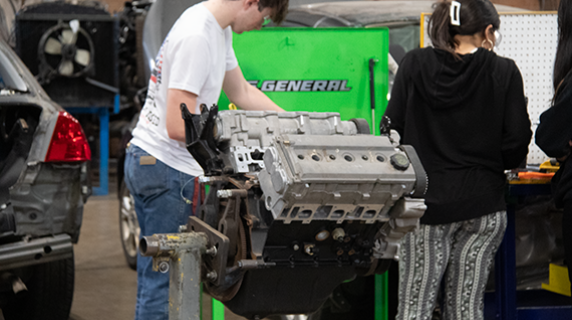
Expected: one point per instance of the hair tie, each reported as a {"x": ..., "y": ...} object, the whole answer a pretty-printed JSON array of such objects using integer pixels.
[{"x": 455, "y": 13}]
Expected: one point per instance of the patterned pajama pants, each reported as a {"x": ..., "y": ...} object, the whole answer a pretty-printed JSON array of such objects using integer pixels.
[{"x": 462, "y": 253}]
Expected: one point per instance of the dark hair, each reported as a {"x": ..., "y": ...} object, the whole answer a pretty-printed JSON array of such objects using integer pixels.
[
  {"x": 280, "y": 9},
  {"x": 563, "y": 61},
  {"x": 474, "y": 15}
]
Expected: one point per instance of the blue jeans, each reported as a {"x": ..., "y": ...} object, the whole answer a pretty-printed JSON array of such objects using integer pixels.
[{"x": 160, "y": 208}]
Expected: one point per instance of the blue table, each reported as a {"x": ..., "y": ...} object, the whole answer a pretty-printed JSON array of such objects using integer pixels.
[{"x": 523, "y": 305}]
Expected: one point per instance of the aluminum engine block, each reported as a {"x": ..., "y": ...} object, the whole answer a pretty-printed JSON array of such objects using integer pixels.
[
  {"x": 313, "y": 166},
  {"x": 298, "y": 201}
]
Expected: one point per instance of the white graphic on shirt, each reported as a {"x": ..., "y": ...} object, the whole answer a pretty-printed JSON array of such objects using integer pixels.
[{"x": 150, "y": 114}]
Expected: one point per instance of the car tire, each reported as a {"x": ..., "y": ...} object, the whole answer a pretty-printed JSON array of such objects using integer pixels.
[
  {"x": 129, "y": 230},
  {"x": 49, "y": 295}
]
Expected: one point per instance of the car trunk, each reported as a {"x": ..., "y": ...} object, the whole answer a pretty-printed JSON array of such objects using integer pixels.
[{"x": 17, "y": 126}]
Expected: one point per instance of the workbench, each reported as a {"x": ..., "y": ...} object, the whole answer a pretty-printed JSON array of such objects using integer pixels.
[{"x": 507, "y": 302}]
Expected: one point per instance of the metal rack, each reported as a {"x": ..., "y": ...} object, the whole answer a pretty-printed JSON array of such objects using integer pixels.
[{"x": 103, "y": 115}]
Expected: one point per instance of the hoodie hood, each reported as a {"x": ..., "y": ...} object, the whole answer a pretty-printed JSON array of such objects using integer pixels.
[{"x": 446, "y": 82}]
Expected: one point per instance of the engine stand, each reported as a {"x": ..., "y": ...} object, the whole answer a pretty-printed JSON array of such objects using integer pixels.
[{"x": 180, "y": 254}]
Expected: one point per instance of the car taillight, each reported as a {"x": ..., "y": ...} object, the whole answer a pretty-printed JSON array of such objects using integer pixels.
[{"x": 68, "y": 143}]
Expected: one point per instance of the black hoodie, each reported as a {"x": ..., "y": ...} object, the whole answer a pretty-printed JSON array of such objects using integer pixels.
[
  {"x": 468, "y": 121},
  {"x": 553, "y": 135}
]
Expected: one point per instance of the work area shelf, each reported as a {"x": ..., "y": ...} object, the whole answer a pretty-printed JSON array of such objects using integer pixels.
[{"x": 506, "y": 303}]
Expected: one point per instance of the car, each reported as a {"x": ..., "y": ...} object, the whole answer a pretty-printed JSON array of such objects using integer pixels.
[{"x": 44, "y": 184}]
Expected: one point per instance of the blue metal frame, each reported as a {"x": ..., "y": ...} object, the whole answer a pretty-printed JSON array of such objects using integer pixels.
[
  {"x": 103, "y": 114},
  {"x": 513, "y": 305}
]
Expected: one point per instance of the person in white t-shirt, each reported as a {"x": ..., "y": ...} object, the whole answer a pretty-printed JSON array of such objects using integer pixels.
[{"x": 194, "y": 63}]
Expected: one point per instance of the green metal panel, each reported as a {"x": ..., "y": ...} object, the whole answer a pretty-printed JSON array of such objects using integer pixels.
[
  {"x": 381, "y": 295},
  {"x": 339, "y": 56},
  {"x": 334, "y": 62},
  {"x": 217, "y": 310}
]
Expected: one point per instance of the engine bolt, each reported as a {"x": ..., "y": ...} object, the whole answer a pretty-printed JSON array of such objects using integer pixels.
[
  {"x": 322, "y": 235},
  {"x": 212, "y": 276},
  {"x": 309, "y": 249},
  {"x": 212, "y": 251},
  {"x": 163, "y": 267},
  {"x": 340, "y": 252},
  {"x": 338, "y": 234},
  {"x": 296, "y": 247}
]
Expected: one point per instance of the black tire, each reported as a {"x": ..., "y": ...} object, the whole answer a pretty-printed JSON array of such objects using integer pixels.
[
  {"x": 128, "y": 226},
  {"x": 49, "y": 295}
]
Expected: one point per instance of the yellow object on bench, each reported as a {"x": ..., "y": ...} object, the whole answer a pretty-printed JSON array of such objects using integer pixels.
[
  {"x": 558, "y": 280},
  {"x": 550, "y": 165}
]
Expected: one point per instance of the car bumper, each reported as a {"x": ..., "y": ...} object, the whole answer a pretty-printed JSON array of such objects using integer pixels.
[{"x": 36, "y": 251}]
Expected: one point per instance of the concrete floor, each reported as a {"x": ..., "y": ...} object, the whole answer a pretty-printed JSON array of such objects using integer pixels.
[{"x": 105, "y": 287}]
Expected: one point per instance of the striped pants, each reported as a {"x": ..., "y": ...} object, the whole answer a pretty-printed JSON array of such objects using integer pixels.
[{"x": 462, "y": 253}]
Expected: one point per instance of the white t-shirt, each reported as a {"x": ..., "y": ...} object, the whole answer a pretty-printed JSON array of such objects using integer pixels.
[{"x": 194, "y": 57}]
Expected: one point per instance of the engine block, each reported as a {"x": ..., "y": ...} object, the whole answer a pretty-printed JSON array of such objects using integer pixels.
[
  {"x": 294, "y": 193},
  {"x": 315, "y": 166}
]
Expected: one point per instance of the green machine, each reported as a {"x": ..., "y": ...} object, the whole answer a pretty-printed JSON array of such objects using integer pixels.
[
  {"x": 341, "y": 70},
  {"x": 318, "y": 70}
]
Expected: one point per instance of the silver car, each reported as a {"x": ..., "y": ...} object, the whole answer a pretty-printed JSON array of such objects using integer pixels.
[{"x": 43, "y": 188}]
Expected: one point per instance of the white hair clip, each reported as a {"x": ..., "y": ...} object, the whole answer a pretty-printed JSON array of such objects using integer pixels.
[{"x": 455, "y": 13}]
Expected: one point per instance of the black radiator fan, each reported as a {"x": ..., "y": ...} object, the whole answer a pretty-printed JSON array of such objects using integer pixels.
[
  {"x": 65, "y": 50},
  {"x": 72, "y": 50}
]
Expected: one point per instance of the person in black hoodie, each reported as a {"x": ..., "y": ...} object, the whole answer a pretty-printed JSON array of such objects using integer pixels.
[
  {"x": 554, "y": 133},
  {"x": 463, "y": 109}
]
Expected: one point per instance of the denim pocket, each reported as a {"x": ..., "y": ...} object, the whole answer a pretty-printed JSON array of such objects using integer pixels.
[{"x": 145, "y": 180}]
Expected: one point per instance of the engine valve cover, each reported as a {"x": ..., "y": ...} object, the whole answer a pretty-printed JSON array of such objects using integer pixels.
[{"x": 333, "y": 178}]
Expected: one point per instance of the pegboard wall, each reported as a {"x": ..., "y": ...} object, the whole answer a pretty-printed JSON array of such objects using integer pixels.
[{"x": 529, "y": 39}]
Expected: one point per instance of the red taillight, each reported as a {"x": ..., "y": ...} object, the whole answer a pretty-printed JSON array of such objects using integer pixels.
[{"x": 68, "y": 143}]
